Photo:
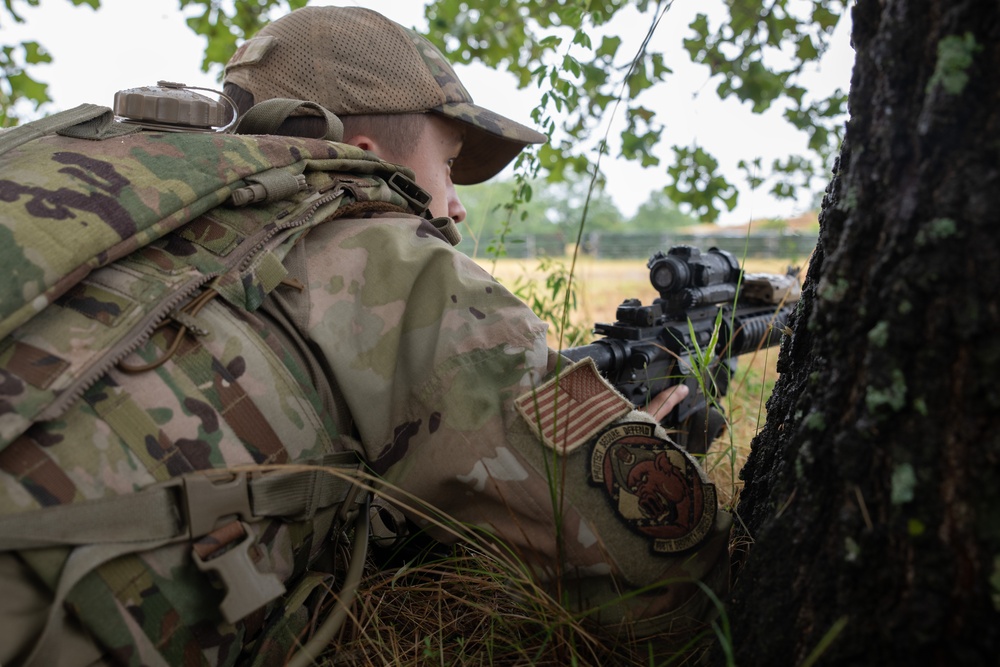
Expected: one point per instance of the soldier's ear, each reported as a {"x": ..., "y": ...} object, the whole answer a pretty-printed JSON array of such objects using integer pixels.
[{"x": 365, "y": 142}]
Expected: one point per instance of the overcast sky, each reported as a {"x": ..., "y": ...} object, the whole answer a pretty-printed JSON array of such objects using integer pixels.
[{"x": 128, "y": 44}]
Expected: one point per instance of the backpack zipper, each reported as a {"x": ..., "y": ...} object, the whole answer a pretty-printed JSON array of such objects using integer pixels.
[{"x": 140, "y": 333}]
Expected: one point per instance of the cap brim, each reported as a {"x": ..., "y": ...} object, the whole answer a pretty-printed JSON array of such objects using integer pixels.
[{"x": 491, "y": 142}]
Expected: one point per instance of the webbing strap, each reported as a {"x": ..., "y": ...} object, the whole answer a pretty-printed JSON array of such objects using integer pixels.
[
  {"x": 79, "y": 564},
  {"x": 298, "y": 494},
  {"x": 97, "y": 521},
  {"x": 183, "y": 508},
  {"x": 267, "y": 116},
  {"x": 309, "y": 654},
  {"x": 97, "y": 122}
]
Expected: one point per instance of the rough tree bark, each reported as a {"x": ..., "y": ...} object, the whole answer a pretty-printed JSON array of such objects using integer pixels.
[{"x": 872, "y": 497}]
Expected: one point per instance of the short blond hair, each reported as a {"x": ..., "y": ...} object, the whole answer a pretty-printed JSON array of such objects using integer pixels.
[{"x": 397, "y": 134}]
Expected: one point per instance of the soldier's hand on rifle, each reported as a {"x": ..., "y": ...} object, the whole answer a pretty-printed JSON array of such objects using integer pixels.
[{"x": 663, "y": 403}]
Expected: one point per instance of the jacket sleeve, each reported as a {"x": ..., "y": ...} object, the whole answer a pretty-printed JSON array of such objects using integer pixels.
[{"x": 449, "y": 383}]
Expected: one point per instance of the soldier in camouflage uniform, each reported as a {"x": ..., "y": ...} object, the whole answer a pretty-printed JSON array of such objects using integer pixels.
[{"x": 377, "y": 338}]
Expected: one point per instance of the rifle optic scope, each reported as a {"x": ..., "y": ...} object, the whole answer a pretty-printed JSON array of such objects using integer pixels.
[{"x": 686, "y": 278}]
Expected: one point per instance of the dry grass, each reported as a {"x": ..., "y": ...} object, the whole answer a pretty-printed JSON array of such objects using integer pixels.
[{"x": 463, "y": 607}]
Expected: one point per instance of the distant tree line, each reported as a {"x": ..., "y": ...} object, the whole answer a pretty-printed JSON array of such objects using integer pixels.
[
  {"x": 550, "y": 221},
  {"x": 558, "y": 208}
]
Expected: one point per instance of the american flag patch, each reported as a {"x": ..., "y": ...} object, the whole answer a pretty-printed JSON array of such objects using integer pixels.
[{"x": 569, "y": 410}]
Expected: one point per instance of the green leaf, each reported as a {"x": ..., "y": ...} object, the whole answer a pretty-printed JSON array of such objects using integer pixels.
[
  {"x": 694, "y": 180},
  {"x": 24, "y": 87},
  {"x": 35, "y": 54},
  {"x": 660, "y": 69},
  {"x": 571, "y": 65},
  {"x": 609, "y": 47},
  {"x": 752, "y": 172},
  {"x": 825, "y": 17},
  {"x": 806, "y": 50},
  {"x": 638, "y": 81}
]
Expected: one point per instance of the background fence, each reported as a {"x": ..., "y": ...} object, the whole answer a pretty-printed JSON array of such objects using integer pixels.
[{"x": 608, "y": 245}]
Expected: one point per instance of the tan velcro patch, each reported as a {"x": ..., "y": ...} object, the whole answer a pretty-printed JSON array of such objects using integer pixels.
[
  {"x": 569, "y": 410},
  {"x": 251, "y": 51}
]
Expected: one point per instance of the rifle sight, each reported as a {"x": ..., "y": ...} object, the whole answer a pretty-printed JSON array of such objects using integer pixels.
[{"x": 686, "y": 278}]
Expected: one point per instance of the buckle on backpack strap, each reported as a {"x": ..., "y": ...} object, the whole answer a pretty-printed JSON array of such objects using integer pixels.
[
  {"x": 206, "y": 501},
  {"x": 405, "y": 187},
  {"x": 247, "y": 588}
]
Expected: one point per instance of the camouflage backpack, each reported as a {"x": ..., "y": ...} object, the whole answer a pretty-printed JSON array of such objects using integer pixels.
[{"x": 113, "y": 241}]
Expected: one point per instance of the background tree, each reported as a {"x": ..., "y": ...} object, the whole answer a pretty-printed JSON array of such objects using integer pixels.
[
  {"x": 589, "y": 65},
  {"x": 487, "y": 203},
  {"x": 567, "y": 50},
  {"x": 571, "y": 197},
  {"x": 557, "y": 208},
  {"x": 872, "y": 496},
  {"x": 16, "y": 60},
  {"x": 554, "y": 208},
  {"x": 224, "y": 26},
  {"x": 659, "y": 212}
]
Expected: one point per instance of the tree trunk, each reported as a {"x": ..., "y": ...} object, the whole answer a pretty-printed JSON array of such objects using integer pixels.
[{"x": 872, "y": 498}]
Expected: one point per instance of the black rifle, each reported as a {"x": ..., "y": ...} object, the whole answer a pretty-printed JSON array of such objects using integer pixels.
[{"x": 708, "y": 310}]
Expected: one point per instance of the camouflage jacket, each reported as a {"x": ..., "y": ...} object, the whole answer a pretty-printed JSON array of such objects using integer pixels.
[
  {"x": 447, "y": 380},
  {"x": 369, "y": 334}
]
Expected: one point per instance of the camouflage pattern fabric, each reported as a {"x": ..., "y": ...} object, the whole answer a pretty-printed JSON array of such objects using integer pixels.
[
  {"x": 432, "y": 355},
  {"x": 111, "y": 208},
  {"x": 134, "y": 191},
  {"x": 288, "y": 331},
  {"x": 221, "y": 389}
]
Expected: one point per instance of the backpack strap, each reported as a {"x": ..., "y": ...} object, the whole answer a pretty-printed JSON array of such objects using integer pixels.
[
  {"x": 87, "y": 121},
  {"x": 267, "y": 116},
  {"x": 186, "y": 507},
  {"x": 320, "y": 641},
  {"x": 182, "y": 509}
]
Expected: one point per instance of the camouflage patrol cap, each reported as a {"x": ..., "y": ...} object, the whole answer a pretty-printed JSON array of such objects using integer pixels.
[{"x": 355, "y": 61}]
